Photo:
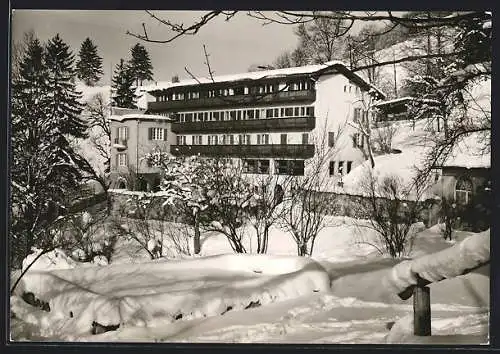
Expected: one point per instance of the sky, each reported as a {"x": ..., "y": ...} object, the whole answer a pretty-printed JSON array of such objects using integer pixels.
[{"x": 233, "y": 45}]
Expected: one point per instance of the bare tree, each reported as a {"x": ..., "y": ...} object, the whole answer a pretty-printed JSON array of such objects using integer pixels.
[
  {"x": 91, "y": 235},
  {"x": 392, "y": 208},
  {"x": 143, "y": 220},
  {"x": 269, "y": 204}
]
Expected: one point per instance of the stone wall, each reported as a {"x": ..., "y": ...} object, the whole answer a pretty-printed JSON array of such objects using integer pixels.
[{"x": 351, "y": 205}]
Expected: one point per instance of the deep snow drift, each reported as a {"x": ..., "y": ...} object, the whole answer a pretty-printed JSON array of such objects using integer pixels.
[{"x": 337, "y": 296}]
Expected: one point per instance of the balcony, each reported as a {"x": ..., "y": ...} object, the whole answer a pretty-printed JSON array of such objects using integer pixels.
[
  {"x": 298, "y": 151},
  {"x": 237, "y": 100},
  {"x": 120, "y": 144},
  {"x": 252, "y": 125}
]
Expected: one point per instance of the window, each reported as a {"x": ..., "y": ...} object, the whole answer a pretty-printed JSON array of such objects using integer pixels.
[
  {"x": 331, "y": 139},
  {"x": 227, "y": 139},
  {"x": 122, "y": 159},
  {"x": 305, "y": 138},
  {"x": 123, "y": 133},
  {"x": 250, "y": 166},
  {"x": 463, "y": 190},
  {"x": 349, "y": 166},
  {"x": 263, "y": 166},
  {"x": 262, "y": 139},
  {"x": 345, "y": 88},
  {"x": 296, "y": 112},
  {"x": 256, "y": 166},
  {"x": 283, "y": 139},
  {"x": 250, "y": 114},
  {"x": 197, "y": 139},
  {"x": 331, "y": 168},
  {"x": 288, "y": 112},
  {"x": 290, "y": 167},
  {"x": 310, "y": 111},
  {"x": 215, "y": 116},
  {"x": 357, "y": 114},
  {"x": 302, "y": 111},
  {"x": 358, "y": 140},
  {"x": 244, "y": 139},
  {"x": 276, "y": 113},
  {"x": 157, "y": 134},
  {"x": 181, "y": 140},
  {"x": 269, "y": 113},
  {"x": 341, "y": 167}
]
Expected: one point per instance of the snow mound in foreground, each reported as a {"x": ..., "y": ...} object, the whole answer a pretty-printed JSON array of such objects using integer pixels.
[
  {"x": 55, "y": 259},
  {"x": 466, "y": 329},
  {"x": 156, "y": 293}
]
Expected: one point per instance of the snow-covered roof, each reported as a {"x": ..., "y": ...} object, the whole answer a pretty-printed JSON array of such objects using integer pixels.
[
  {"x": 263, "y": 74},
  {"x": 470, "y": 152},
  {"x": 139, "y": 116}
]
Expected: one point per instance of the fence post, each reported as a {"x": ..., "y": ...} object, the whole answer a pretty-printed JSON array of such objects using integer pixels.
[{"x": 421, "y": 310}]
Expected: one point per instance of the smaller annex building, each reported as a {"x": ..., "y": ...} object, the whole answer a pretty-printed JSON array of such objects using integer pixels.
[{"x": 133, "y": 136}]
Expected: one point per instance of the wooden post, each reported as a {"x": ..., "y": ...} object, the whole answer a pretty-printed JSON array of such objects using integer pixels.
[{"x": 421, "y": 311}]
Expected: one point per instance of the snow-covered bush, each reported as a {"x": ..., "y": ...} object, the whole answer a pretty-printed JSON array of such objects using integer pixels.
[
  {"x": 142, "y": 220},
  {"x": 91, "y": 236},
  {"x": 391, "y": 214}
]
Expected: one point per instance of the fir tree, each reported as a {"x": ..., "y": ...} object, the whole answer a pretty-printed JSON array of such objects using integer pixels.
[
  {"x": 44, "y": 167},
  {"x": 64, "y": 106},
  {"x": 89, "y": 65},
  {"x": 140, "y": 64},
  {"x": 122, "y": 82}
]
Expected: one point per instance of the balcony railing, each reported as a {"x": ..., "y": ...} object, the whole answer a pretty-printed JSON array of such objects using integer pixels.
[
  {"x": 252, "y": 125},
  {"x": 237, "y": 100},
  {"x": 300, "y": 151}
]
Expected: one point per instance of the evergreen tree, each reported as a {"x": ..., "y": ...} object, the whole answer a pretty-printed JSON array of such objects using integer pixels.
[
  {"x": 64, "y": 106},
  {"x": 122, "y": 82},
  {"x": 44, "y": 167},
  {"x": 89, "y": 65},
  {"x": 140, "y": 64}
]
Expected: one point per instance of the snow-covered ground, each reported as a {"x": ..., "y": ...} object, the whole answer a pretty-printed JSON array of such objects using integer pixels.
[{"x": 336, "y": 296}]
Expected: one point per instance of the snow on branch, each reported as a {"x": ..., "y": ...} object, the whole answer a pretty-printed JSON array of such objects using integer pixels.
[{"x": 463, "y": 257}]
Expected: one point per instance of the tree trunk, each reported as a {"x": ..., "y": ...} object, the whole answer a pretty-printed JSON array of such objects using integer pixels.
[
  {"x": 196, "y": 241},
  {"x": 302, "y": 249}
]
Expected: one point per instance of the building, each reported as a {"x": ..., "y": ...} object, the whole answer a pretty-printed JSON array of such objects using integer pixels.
[
  {"x": 466, "y": 180},
  {"x": 134, "y": 135},
  {"x": 273, "y": 120}
]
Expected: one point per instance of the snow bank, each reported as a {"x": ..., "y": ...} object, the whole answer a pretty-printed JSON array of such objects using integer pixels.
[
  {"x": 55, "y": 259},
  {"x": 160, "y": 292},
  {"x": 448, "y": 263},
  {"x": 413, "y": 142},
  {"x": 462, "y": 329},
  {"x": 470, "y": 152}
]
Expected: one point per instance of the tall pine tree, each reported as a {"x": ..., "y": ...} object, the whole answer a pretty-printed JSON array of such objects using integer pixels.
[
  {"x": 65, "y": 104},
  {"x": 122, "y": 82},
  {"x": 89, "y": 64},
  {"x": 44, "y": 168},
  {"x": 140, "y": 64}
]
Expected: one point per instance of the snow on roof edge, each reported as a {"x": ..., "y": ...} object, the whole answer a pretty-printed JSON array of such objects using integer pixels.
[
  {"x": 256, "y": 75},
  {"x": 138, "y": 116}
]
